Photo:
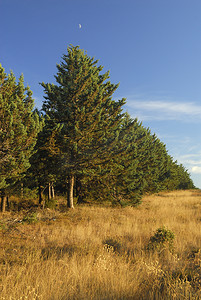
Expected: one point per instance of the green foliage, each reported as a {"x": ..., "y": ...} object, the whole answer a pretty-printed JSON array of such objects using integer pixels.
[
  {"x": 30, "y": 194},
  {"x": 50, "y": 203},
  {"x": 23, "y": 192},
  {"x": 81, "y": 117},
  {"x": 162, "y": 239},
  {"x": 31, "y": 218},
  {"x": 44, "y": 165},
  {"x": 87, "y": 143},
  {"x": 19, "y": 127},
  {"x": 111, "y": 156}
]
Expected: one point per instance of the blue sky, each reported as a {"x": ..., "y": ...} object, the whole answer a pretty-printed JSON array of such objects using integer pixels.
[{"x": 152, "y": 47}]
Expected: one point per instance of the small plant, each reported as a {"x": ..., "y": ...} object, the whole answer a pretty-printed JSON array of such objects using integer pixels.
[
  {"x": 116, "y": 245},
  {"x": 162, "y": 239},
  {"x": 2, "y": 226},
  {"x": 30, "y": 219},
  {"x": 50, "y": 203}
]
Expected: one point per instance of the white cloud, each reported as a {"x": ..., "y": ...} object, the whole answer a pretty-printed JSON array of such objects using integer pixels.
[
  {"x": 196, "y": 170},
  {"x": 184, "y": 108},
  {"x": 192, "y": 159},
  {"x": 164, "y": 109}
]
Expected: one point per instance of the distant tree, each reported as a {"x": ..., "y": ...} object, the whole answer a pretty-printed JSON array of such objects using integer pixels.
[
  {"x": 140, "y": 169},
  {"x": 177, "y": 177},
  {"x": 85, "y": 121},
  {"x": 144, "y": 167},
  {"x": 19, "y": 127},
  {"x": 185, "y": 181}
]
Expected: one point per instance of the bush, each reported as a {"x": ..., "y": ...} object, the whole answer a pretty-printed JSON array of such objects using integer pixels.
[
  {"x": 31, "y": 218},
  {"x": 162, "y": 239},
  {"x": 50, "y": 203}
]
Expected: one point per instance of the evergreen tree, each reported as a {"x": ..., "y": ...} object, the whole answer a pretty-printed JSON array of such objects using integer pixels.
[
  {"x": 185, "y": 182},
  {"x": 177, "y": 177},
  {"x": 44, "y": 168},
  {"x": 141, "y": 167},
  {"x": 83, "y": 116},
  {"x": 145, "y": 167},
  {"x": 19, "y": 127},
  {"x": 111, "y": 182}
]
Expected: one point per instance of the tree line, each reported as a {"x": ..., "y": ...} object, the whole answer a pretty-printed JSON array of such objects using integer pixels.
[{"x": 81, "y": 143}]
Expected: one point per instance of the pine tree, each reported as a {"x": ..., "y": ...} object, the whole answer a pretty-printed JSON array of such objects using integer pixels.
[
  {"x": 19, "y": 127},
  {"x": 44, "y": 168},
  {"x": 83, "y": 116}
]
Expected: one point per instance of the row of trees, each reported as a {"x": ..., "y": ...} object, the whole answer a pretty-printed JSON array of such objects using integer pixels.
[{"x": 81, "y": 141}]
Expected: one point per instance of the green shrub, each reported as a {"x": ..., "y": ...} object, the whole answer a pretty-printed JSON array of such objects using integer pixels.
[
  {"x": 30, "y": 219},
  {"x": 50, "y": 203},
  {"x": 162, "y": 239},
  {"x": 25, "y": 192},
  {"x": 31, "y": 194}
]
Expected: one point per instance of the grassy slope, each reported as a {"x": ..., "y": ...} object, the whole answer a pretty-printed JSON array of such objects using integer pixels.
[{"x": 100, "y": 253}]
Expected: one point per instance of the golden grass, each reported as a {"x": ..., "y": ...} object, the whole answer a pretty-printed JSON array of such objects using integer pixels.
[{"x": 101, "y": 253}]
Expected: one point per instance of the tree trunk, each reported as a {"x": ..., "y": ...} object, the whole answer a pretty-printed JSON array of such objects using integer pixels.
[
  {"x": 49, "y": 191},
  {"x": 3, "y": 203},
  {"x": 22, "y": 191},
  {"x": 7, "y": 202},
  {"x": 71, "y": 180},
  {"x": 52, "y": 191},
  {"x": 40, "y": 194}
]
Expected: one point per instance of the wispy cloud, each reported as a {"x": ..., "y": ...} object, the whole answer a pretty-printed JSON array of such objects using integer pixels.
[
  {"x": 196, "y": 170},
  {"x": 194, "y": 158},
  {"x": 164, "y": 109},
  {"x": 192, "y": 162}
]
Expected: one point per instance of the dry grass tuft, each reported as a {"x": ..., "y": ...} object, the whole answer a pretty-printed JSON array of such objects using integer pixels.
[{"x": 102, "y": 253}]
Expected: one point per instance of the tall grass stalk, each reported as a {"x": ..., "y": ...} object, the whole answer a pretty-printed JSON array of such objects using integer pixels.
[{"x": 102, "y": 253}]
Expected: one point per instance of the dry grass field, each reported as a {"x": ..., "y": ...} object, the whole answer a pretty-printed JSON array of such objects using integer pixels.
[{"x": 95, "y": 252}]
